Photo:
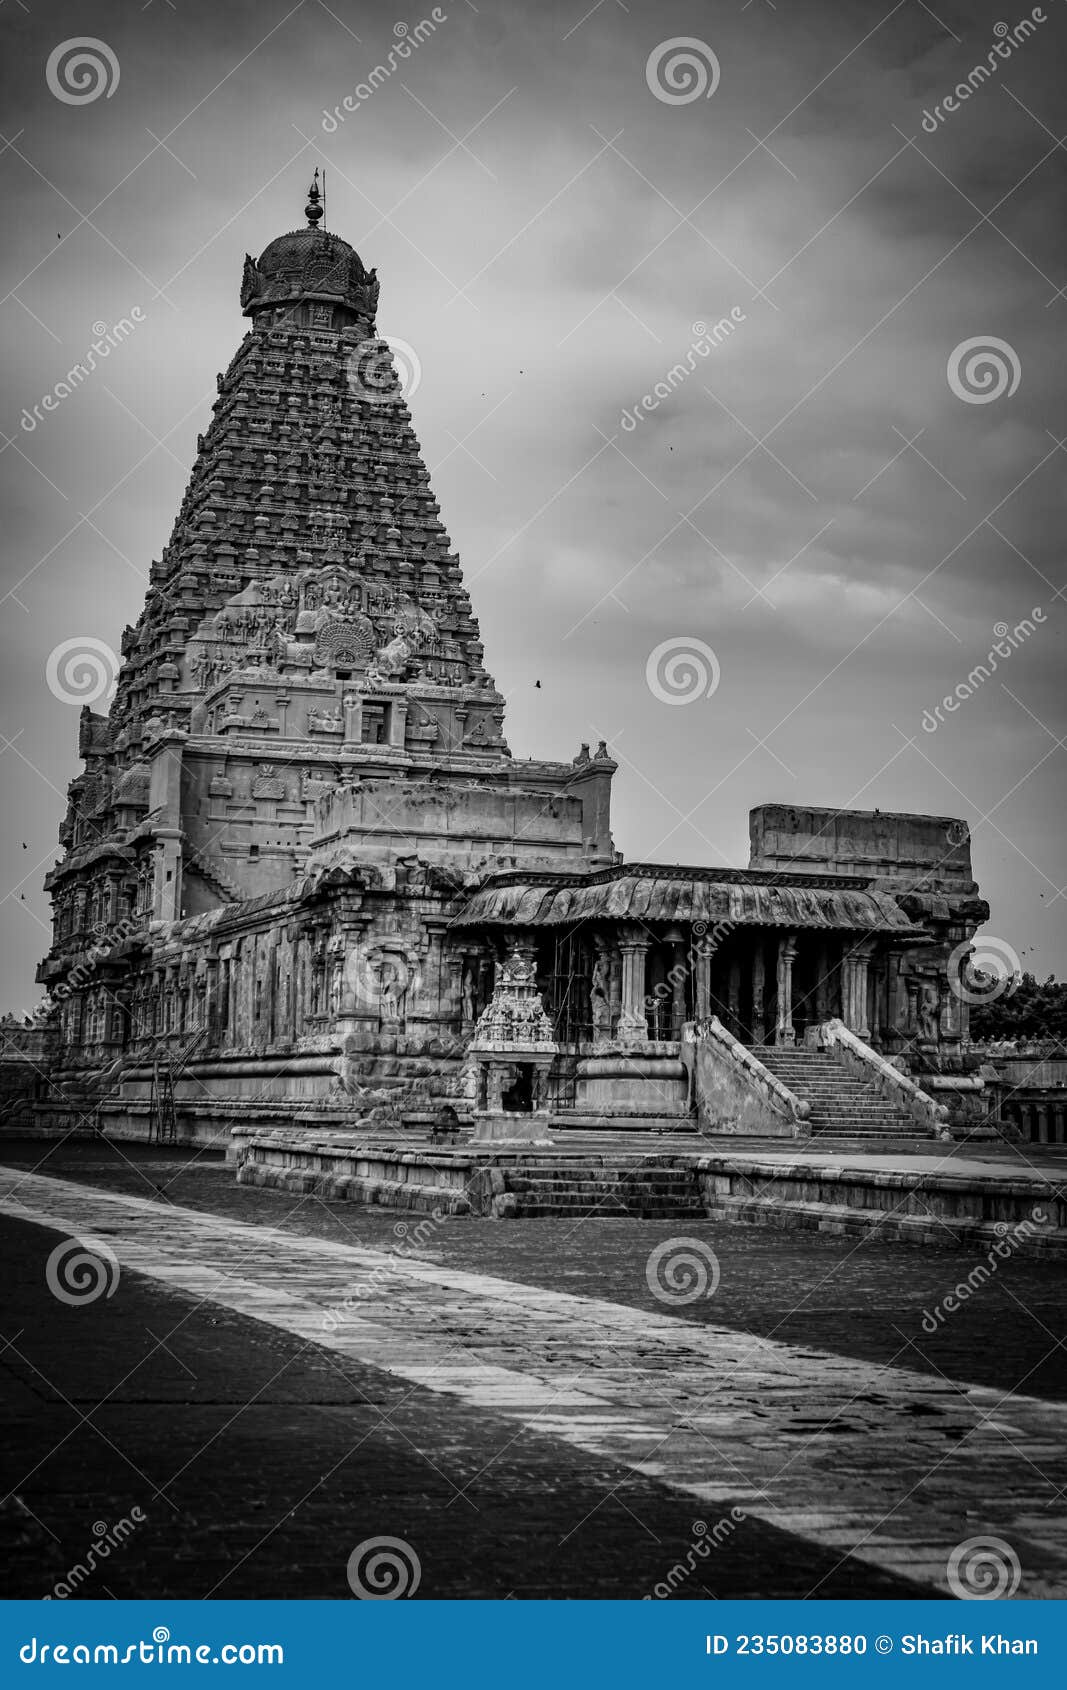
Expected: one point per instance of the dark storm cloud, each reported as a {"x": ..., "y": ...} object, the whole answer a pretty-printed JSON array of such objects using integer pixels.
[{"x": 847, "y": 572}]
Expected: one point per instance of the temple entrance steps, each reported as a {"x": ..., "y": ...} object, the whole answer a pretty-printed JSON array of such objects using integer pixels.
[
  {"x": 513, "y": 1184},
  {"x": 844, "y": 1104},
  {"x": 606, "y": 1190}
]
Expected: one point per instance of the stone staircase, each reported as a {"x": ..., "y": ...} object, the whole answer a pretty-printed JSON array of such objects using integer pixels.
[
  {"x": 214, "y": 876},
  {"x": 576, "y": 1191},
  {"x": 844, "y": 1104}
]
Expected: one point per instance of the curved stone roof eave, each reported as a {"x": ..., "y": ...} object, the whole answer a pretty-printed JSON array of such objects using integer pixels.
[{"x": 683, "y": 898}]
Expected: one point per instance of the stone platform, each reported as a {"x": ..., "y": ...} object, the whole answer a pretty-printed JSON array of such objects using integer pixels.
[
  {"x": 525, "y": 1389},
  {"x": 962, "y": 1197}
]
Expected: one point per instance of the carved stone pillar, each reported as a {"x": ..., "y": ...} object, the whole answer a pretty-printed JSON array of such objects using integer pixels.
[
  {"x": 353, "y": 716},
  {"x": 224, "y": 993},
  {"x": 784, "y": 1031},
  {"x": 600, "y": 994},
  {"x": 211, "y": 995},
  {"x": 863, "y": 973},
  {"x": 240, "y": 1000},
  {"x": 855, "y": 968},
  {"x": 615, "y": 982},
  {"x": 272, "y": 982},
  {"x": 679, "y": 971},
  {"x": 295, "y": 963},
  {"x": 702, "y": 977},
  {"x": 955, "y": 1013},
  {"x": 463, "y": 977},
  {"x": 353, "y": 986},
  {"x": 496, "y": 1075},
  {"x": 759, "y": 1024},
  {"x": 633, "y": 1021},
  {"x": 303, "y": 967}
]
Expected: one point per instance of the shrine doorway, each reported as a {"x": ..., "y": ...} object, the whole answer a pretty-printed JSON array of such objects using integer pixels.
[{"x": 518, "y": 1099}]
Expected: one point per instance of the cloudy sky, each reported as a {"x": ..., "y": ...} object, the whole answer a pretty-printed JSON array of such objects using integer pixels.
[{"x": 820, "y": 503}]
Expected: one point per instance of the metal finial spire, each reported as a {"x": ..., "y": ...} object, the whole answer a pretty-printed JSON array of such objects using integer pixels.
[{"x": 313, "y": 210}]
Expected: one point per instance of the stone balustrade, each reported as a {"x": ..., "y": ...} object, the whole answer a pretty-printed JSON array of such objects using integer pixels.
[
  {"x": 891, "y": 1082},
  {"x": 734, "y": 1092}
]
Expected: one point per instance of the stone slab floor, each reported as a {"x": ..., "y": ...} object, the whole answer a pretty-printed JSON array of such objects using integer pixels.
[{"x": 275, "y": 1380}]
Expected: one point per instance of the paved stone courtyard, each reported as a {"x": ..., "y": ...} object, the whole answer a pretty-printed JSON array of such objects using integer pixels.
[{"x": 275, "y": 1380}]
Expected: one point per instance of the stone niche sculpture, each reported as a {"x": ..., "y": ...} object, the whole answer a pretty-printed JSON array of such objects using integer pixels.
[
  {"x": 512, "y": 1051},
  {"x": 266, "y": 783}
]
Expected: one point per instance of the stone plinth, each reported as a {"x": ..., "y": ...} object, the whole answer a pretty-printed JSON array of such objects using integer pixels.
[
  {"x": 507, "y": 1127},
  {"x": 622, "y": 1078}
]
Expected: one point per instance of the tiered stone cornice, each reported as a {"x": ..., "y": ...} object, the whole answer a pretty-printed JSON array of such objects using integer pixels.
[{"x": 298, "y": 469}]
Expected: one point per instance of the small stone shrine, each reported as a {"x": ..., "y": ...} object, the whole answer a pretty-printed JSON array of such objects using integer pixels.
[{"x": 512, "y": 1053}]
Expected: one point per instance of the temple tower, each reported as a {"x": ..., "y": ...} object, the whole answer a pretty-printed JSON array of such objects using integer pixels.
[{"x": 302, "y": 699}]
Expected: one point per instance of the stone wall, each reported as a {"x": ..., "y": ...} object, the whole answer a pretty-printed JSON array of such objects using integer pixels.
[{"x": 902, "y": 848}]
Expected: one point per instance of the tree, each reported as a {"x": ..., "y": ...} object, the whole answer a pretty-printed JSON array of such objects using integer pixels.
[{"x": 1031, "y": 1009}]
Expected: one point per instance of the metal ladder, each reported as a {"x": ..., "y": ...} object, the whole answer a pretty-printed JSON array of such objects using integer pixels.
[
  {"x": 163, "y": 1125},
  {"x": 162, "y": 1120}
]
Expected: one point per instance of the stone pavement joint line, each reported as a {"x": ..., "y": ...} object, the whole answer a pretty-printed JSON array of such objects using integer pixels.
[{"x": 891, "y": 1466}]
